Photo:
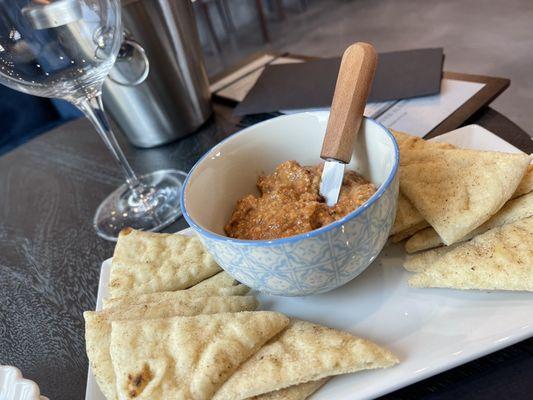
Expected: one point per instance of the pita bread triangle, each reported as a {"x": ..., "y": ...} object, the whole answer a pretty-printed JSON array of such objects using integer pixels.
[
  {"x": 303, "y": 352},
  {"x": 427, "y": 239},
  {"x": 526, "y": 184},
  {"x": 456, "y": 190},
  {"x": 408, "y": 232},
  {"x": 98, "y": 327},
  {"x": 296, "y": 392},
  {"x": 513, "y": 210},
  {"x": 147, "y": 262},
  {"x": 186, "y": 357},
  {"x": 499, "y": 259},
  {"x": 222, "y": 279},
  {"x": 407, "y": 217},
  {"x": 408, "y": 142},
  {"x": 177, "y": 295}
]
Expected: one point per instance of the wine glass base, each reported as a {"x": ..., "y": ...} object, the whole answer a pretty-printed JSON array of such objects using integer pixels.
[{"x": 157, "y": 206}]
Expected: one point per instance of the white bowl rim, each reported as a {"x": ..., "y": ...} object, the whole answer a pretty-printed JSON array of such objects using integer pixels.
[{"x": 291, "y": 239}]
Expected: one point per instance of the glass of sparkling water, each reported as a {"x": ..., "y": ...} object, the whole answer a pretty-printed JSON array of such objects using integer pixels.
[{"x": 64, "y": 49}]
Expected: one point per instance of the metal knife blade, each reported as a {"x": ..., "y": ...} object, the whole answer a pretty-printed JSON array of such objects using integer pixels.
[{"x": 331, "y": 181}]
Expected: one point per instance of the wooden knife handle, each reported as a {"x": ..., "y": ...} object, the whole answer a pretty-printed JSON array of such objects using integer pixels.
[{"x": 356, "y": 73}]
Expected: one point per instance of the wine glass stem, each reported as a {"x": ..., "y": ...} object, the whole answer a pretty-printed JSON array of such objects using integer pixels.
[{"x": 94, "y": 110}]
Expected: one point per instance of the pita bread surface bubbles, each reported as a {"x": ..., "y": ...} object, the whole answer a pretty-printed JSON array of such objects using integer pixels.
[{"x": 147, "y": 262}]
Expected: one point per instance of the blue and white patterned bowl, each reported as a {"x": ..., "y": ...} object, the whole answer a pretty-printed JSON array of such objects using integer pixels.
[{"x": 310, "y": 263}]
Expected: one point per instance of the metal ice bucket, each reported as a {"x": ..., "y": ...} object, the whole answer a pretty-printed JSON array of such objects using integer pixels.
[{"x": 158, "y": 90}]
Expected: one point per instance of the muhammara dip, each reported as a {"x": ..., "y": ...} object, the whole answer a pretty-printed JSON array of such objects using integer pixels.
[{"x": 290, "y": 203}]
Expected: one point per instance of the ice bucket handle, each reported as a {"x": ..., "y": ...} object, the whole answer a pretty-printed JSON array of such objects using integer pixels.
[{"x": 127, "y": 45}]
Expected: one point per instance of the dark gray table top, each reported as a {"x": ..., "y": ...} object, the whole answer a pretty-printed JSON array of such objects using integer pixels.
[{"x": 50, "y": 256}]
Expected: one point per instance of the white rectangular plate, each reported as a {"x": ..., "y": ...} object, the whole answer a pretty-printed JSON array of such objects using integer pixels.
[{"x": 431, "y": 330}]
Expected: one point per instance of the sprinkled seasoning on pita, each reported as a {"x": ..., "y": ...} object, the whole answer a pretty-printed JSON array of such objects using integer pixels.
[
  {"x": 303, "y": 352},
  {"x": 499, "y": 259},
  {"x": 513, "y": 210}
]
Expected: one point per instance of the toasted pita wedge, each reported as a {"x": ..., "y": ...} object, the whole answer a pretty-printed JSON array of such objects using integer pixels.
[
  {"x": 419, "y": 262},
  {"x": 526, "y": 184},
  {"x": 222, "y": 279},
  {"x": 402, "y": 137},
  {"x": 513, "y": 210},
  {"x": 189, "y": 306},
  {"x": 499, "y": 259},
  {"x": 428, "y": 239},
  {"x": 147, "y": 262},
  {"x": 407, "y": 218},
  {"x": 298, "y": 392},
  {"x": 409, "y": 232},
  {"x": 186, "y": 357},
  {"x": 408, "y": 142},
  {"x": 239, "y": 290},
  {"x": 98, "y": 327},
  {"x": 457, "y": 190},
  {"x": 303, "y": 352}
]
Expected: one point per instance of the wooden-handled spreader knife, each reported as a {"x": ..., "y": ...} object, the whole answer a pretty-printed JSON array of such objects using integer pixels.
[{"x": 356, "y": 73}]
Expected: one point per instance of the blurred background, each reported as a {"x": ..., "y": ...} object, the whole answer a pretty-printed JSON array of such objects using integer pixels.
[{"x": 479, "y": 37}]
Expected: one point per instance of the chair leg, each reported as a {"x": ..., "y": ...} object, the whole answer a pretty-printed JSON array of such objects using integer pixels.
[
  {"x": 262, "y": 20},
  {"x": 229, "y": 17},
  {"x": 280, "y": 10},
  {"x": 223, "y": 17},
  {"x": 303, "y": 4},
  {"x": 205, "y": 10}
]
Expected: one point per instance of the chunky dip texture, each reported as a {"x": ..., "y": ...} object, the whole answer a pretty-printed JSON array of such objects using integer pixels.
[{"x": 290, "y": 203}]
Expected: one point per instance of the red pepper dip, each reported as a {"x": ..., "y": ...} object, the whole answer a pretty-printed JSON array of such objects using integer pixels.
[{"x": 290, "y": 203}]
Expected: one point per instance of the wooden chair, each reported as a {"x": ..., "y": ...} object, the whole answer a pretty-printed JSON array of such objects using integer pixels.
[
  {"x": 224, "y": 12},
  {"x": 280, "y": 10},
  {"x": 204, "y": 7}
]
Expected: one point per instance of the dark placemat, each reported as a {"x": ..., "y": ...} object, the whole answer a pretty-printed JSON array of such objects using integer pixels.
[{"x": 399, "y": 75}]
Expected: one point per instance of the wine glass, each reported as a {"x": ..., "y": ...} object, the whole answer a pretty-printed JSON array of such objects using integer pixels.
[{"x": 64, "y": 49}]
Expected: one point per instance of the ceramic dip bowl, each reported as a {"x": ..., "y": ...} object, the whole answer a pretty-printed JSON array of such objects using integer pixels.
[{"x": 305, "y": 264}]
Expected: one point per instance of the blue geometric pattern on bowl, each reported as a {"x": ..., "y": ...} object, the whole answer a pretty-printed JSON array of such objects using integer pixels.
[{"x": 314, "y": 264}]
